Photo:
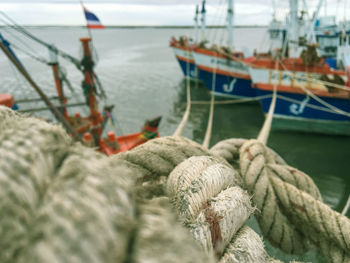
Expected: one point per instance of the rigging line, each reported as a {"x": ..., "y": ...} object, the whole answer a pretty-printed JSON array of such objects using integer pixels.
[
  {"x": 207, "y": 137},
  {"x": 265, "y": 40},
  {"x": 22, "y": 41},
  {"x": 64, "y": 78},
  {"x": 326, "y": 104},
  {"x": 117, "y": 127},
  {"x": 39, "y": 59},
  {"x": 345, "y": 10},
  {"x": 311, "y": 106},
  {"x": 236, "y": 101},
  {"x": 316, "y": 81},
  {"x": 20, "y": 81},
  {"x": 25, "y": 32},
  {"x": 265, "y": 130},
  {"x": 222, "y": 31},
  {"x": 99, "y": 84},
  {"x": 217, "y": 17},
  {"x": 337, "y": 9},
  {"x": 61, "y": 72},
  {"x": 217, "y": 30},
  {"x": 318, "y": 99},
  {"x": 274, "y": 8}
]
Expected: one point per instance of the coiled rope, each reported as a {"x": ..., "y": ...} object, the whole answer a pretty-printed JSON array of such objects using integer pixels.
[{"x": 63, "y": 202}]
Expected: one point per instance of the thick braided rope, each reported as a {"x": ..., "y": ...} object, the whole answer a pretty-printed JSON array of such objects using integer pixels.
[
  {"x": 161, "y": 239},
  {"x": 52, "y": 198},
  {"x": 204, "y": 191},
  {"x": 193, "y": 182},
  {"x": 66, "y": 203},
  {"x": 322, "y": 223},
  {"x": 83, "y": 215},
  {"x": 220, "y": 218},
  {"x": 48, "y": 199},
  {"x": 153, "y": 161},
  {"x": 245, "y": 240},
  {"x": 303, "y": 207},
  {"x": 159, "y": 157},
  {"x": 30, "y": 151},
  {"x": 230, "y": 150},
  {"x": 275, "y": 226}
]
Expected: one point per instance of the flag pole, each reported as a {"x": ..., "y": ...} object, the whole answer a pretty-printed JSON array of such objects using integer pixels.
[
  {"x": 93, "y": 51},
  {"x": 87, "y": 27}
]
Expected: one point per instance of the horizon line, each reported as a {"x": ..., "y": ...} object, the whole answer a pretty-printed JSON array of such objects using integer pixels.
[{"x": 141, "y": 26}]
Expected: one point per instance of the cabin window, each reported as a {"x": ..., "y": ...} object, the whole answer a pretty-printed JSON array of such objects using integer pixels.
[{"x": 274, "y": 34}]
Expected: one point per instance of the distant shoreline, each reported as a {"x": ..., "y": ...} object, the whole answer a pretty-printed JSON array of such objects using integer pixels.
[{"x": 134, "y": 27}]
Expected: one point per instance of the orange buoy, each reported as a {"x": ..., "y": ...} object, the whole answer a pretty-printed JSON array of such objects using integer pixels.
[{"x": 6, "y": 100}]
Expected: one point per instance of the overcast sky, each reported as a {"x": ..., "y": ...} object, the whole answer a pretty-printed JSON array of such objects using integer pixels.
[{"x": 148, "y": 12}]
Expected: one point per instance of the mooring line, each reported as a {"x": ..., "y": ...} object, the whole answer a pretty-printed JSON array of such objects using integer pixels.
[
  {"x": 211, "y": 112},
  {"x": 265, "y": 130},
  {"x": 346, "y": 207},
  {"x": 183, "y": 122}
]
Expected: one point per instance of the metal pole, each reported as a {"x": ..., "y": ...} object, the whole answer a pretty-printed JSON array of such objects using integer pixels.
[
  {"x": 35, "y": 99},
  {"x": 53, "y": 109},
  {"x": 293, "y": 30},
  {"x": 196, "y": 25},
  {"x": 59, "y": 88},
  {"x": 203, "y": 21},
  {"x": 90, "y": 84},
  {"x": 58, "y": 107},
  {"x": 229, "y": 24}
]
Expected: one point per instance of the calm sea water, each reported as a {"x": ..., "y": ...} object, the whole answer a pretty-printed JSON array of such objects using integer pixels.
[{"x": 142, "y": 79}]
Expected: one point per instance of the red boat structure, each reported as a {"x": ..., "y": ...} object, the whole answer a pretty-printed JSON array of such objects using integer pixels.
[{"x": 87, "y": 129}]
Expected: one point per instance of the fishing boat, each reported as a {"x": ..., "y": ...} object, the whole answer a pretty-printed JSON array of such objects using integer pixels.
[
  {"x": 7, "y": 100},
  {"x": 223, "y": 71},
  {"x": 184, "y": 46},
  {"x": 183, "y": 53},
  {"x": 311, "y": 95},
  {"x": 87, "y": 129}
]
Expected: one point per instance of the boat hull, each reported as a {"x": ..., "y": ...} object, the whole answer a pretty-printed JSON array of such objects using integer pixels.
[
  {"x": 286, "y": 123},
  {"x": 227, "y": 86},
  {"x": 307, "y": 96},
  {"x": 223, "y": 76},
  {"x": 186, "y": 61},
  {"x": 300, "y": 112}
]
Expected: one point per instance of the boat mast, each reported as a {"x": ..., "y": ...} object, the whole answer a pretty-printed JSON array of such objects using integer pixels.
[
  {"x": 203, "y": 21},
  {"x": 293, "y": 32},
  {"x": 58, "y": 82},
  {"x": 230, "y": 14},
  {"x": 311, "y": 35},
  {"x": 196, "y": 24},
  {"x": 89, "y": 88},
  {"x": 274, "y": 9}
]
